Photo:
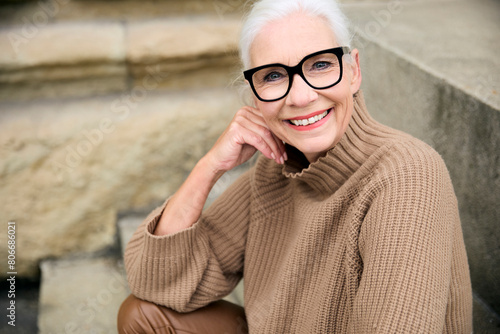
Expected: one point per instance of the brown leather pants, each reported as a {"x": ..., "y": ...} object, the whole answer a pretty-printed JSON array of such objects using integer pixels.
[{"x": 221, "y": 317}]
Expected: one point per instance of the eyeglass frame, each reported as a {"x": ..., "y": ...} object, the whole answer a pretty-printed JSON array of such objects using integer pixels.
[{"x": 297, "y": 69}]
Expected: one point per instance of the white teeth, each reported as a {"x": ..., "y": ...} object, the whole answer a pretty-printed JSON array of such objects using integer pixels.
[{"x": 312, "y": 120}]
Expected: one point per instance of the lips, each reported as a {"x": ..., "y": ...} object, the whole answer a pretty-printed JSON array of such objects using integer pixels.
[{"x": 310, "y": 121}]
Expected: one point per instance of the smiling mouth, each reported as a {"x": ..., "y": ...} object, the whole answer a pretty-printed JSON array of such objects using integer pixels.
[{"x": 310, "y": 120}]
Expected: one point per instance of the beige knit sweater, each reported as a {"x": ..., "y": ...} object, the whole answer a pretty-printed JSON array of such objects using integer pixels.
[{"x": 365, "y": 240}]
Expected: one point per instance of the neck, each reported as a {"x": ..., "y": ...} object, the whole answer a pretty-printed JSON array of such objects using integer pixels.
[{"x": 313, "y": 157}]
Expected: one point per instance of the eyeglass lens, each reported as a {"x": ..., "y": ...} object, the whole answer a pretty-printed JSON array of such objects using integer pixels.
[{"x": 320, "y": 71}]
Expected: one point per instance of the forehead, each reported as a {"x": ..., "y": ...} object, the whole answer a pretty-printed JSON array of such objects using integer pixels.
[{"x": 290, "y": 39}]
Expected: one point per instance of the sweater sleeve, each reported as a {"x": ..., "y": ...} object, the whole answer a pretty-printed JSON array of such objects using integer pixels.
[
  {"x": 196, "y": 266},
  {"x": 415, "y": 271}
]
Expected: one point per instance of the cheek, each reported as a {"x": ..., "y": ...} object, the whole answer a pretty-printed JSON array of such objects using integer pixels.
[
  {"x": 339, "y": 92},
  {"x": 269, "y": 110}
]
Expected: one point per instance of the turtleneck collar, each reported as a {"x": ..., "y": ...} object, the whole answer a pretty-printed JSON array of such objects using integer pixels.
[{"x": 362, "y": 137}]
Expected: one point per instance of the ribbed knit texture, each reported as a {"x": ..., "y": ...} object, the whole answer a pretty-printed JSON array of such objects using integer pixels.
[{"x": 365, "y": 240}]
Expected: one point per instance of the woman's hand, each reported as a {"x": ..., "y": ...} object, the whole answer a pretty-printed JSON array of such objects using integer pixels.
[{"x": 247, "y": 133}]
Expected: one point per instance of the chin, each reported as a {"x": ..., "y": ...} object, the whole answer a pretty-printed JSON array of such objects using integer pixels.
[{"x": 315, "y": 147}]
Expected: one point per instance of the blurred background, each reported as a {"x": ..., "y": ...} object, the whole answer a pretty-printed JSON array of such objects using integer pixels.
[{"x": 105, "y": 106}]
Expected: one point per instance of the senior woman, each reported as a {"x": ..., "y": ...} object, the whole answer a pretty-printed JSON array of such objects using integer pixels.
[{"x": 342, "y": 226}]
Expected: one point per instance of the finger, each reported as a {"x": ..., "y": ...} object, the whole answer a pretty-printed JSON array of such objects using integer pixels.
[
  {"x": 249, "y": 137},
  {"x": 282, "y": 147},
  {"x": 247, "y": 131},
  {"x": 255, "y": 116},
  {"x": 253, "y": 121},
  {"x": 265, "y": 141}
]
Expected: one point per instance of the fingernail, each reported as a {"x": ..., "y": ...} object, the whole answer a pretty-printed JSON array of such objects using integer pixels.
[
  {"x": 273, "y": 156},
  {"x": 282, "y": 161},
  {"x": 286, "y": 156}
]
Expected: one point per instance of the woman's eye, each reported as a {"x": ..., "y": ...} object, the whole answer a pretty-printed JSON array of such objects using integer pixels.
[
  {"x": 273, "y": 76},
  {"x": 321, "y": 65}
]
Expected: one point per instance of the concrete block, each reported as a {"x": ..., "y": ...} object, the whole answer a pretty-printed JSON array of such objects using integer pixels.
[
  {"x": 237, "y": 296},
  {"x": 453, "y": 40},
  {"x": 190, "y": 52},
  {"x": 181, "y": 38},
  {"x": 486, "y": 321},
  {"x": 126, "y": 228},
  {"x": 81, "y": 295},
  {"x": 62, "y": 44},
  {"x": 62, "y": 60}
]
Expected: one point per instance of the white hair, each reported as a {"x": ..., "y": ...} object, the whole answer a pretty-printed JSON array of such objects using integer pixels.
[{"x": 265, "y": 11}]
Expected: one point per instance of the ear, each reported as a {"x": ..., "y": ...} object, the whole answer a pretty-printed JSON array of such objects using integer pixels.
[{"x": 356, "y": 77}]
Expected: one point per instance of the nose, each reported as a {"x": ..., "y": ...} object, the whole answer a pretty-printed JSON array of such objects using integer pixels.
[{"x": 300, "y": 94}]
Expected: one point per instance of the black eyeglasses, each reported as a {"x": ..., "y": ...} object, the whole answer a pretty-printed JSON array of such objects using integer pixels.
[{"x": 320, "y": 70}]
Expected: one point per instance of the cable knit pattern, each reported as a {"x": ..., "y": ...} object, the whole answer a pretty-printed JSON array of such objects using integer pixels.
[{"x": 365, "y": 240}]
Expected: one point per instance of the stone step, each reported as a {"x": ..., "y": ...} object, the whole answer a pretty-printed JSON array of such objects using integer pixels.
[
  {"x": 81, "y": 295},
  {"x": 39, "y": 13},
  {"x": 93, "y": 57},
  {"x": 85, "y": 294}
]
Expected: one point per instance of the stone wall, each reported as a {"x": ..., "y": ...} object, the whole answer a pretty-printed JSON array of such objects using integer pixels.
[
  {"x": 105, "y": 107},
  {"x": 68, "y": 167}
]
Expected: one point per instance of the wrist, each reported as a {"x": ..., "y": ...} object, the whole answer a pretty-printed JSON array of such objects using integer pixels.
[{"x": 210, "y": 168}]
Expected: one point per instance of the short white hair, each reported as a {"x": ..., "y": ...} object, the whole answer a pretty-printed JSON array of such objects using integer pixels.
[{"x": 264, "y": 12}]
